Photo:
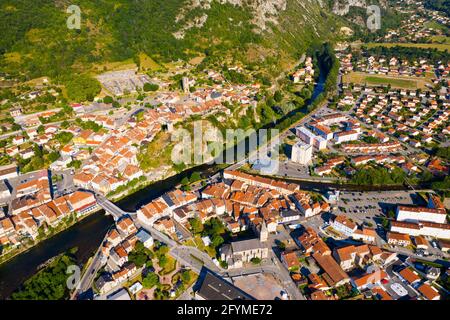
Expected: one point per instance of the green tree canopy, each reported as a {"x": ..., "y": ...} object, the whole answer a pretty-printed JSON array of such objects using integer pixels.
[
  {"x": 196, "y": 225},
  {"x": 150, "y": 280}
]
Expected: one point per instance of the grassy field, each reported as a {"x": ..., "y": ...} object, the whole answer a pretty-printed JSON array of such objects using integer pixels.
[
  {"x": 439, "y": 46},
  {"x": 395, "y": 82},
  {"x": 148, "y": 63},
  {"x": 113, "y": 66},
  {"x": 435, "y": 25},
  {"x": 198, "y": 243},
  {"x": 13, "y": 57}
]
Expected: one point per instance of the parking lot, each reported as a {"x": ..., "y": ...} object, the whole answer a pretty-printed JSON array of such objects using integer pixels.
[
  {"x": 293, "y": 170},
  {"x": 365, "y": 206}
]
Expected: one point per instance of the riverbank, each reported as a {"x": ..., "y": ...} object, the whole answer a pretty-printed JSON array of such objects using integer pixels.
[
  {"x": 49, "y": 283},
  {"x": 86, "y": 235},
  {"x": 60, "y": 228}
]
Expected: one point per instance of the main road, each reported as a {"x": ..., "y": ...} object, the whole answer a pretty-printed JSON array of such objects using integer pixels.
[{"x": 89, "y": 274}]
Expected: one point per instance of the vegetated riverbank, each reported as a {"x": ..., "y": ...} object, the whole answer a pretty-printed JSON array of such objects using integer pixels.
[
  {"x": 49, "y": 283},
  {"x": 85, "y": 235},
  {"x": 43, "y": 237}
]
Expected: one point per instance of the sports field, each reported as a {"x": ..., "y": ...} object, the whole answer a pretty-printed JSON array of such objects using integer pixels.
[{"x": 400, "y": 82}]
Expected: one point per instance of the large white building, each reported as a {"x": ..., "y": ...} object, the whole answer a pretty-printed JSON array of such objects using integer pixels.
[
  {"x": 301, "y": 153},
  {"x": 332, "y": 119},
  {"x": 438, "y": 230},
  {"x": 342, "y": 224},
  {"x": 308, "y": 137},
  {"x": 345, "y": 136},
  {"x": 415, "y": 214},
  {"x": 4, "y": 190}
]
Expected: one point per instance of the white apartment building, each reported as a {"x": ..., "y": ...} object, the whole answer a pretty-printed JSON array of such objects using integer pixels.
[
  {"x": 344, "y": 225},
  {"x": 8, "y": 172},
  {"x": 415, "y": 214},
  {"x": 438, "y": 230},
  {"x": 308, "y": 137},
  {"x": 301, "y": 153},
  {"x": 345, "y": 136}
]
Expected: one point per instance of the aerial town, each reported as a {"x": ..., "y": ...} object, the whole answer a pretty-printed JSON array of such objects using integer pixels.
[{"x": 356, "y": 208}]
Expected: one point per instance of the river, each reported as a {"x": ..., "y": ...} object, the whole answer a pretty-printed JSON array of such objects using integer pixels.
[{"x": 85, "y": 235}]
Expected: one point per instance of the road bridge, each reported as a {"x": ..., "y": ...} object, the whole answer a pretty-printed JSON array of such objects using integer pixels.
[{"x": 113, "y": 209}]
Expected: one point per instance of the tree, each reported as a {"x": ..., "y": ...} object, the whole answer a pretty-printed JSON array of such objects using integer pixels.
[
  {"x": 195, "y": 177},
  {"x": 53, "y": 156},
  {"x": 255, "y": 260},
  {"x": 150, "y": 280},
  {"x": 40, "y": 129},
  {"x": 443, "y": 152},
  {"x": 65, "y": 124},
  {"x": 391, "y": 214},
  {"x": 48, "y": 284},
  {"x": 75, "y": 164},
  {"x": 82, "y": 87},
  {"x": 278, "y": 96},
  {"x": 150, "y": 87},
  {"x": 369, "y": 139},
  {"x": 162, "y": 261},
  {"x": 108, "y": 99},
  {"x": 281, "y": 245},
  {"x": 140, "y": 116},
  {"x": 64, "y": 137},
  {"x": 140, "y": 255},
  {"x": 306, "y": 93},
  {"x": 196, "y": 225},
  {"x": 185, "y": 276},
  {"x": 217, "y": 241},
  {"x": 162, "y": 250},
  {"x": 185, "y": 181},
  {"x": 384, "y": 222},
  {"x": 139, "y": 259},
  {"x": 213, "y": 227}
]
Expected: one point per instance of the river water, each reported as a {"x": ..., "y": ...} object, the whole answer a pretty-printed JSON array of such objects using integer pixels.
[{"x": 85, "y": 235}]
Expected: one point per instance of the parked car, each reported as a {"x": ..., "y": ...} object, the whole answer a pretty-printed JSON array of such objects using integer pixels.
[{"x": 434, "y": 244}]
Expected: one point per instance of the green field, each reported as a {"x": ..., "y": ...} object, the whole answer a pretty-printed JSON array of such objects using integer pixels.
[
  {"x": 438, "y": 46},
  {"x": 395, "y": 82}
]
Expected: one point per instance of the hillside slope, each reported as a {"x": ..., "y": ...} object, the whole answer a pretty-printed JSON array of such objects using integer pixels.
[{"x": 36, "y": 42}]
